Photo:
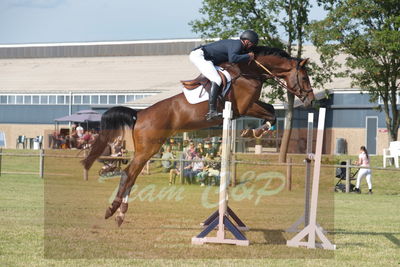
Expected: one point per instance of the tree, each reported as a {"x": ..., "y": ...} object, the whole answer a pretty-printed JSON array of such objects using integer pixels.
[
  {"x": 294, "y": 23},
  {"x": 368, "y": 32},
  {"x": 225, "y": 18}
]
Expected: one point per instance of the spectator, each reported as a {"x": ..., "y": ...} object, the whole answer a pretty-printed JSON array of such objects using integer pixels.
[
  {"x": 187, "y": 169},
  {"x": 166, "y": 163},
  {"x": 56, "y": 143},
  {"x": 86, "y": 139},
  {"x": 200, "y": 149},
  {"x": 211, "y": 173},
  {"x": 363, "y": 160},
  {"x": 214, "y": 170},
  {"x": 190, "y": 149},
  {"x": 117, "y": 147},
  {"x": 197, "y": 167},
  {"x": 209, "y": 150},
  {"x": 79, "y": 131},
  {"x": 176, "y": 169},
  {"x": 73, "y": 138}
]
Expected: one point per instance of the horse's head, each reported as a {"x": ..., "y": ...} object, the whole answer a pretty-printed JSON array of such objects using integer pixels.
[
  {"x": 292, "y": 70},
  {"x": 299, "y": 84}
]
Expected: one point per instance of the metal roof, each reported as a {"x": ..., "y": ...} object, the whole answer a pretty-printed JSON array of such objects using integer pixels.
[{"x": 146, "y": 73}]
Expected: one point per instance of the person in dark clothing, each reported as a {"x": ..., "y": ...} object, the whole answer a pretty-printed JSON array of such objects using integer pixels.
[{"x": 207, "y": 56}]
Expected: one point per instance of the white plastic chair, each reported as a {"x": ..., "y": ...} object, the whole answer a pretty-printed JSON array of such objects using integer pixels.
[{"x": 393, "y": 152}]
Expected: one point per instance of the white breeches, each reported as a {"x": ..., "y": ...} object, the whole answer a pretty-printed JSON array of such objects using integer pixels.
[
  {"x": 206, "y": 67},
  {"x": 361, "y": 174}
]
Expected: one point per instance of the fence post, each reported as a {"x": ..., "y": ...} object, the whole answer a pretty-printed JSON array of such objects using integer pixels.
[
  {"x": 347, "y": 176},
  {"x": 85, "y": 172},
  {"x": 233, "y": 170},
  {"x": 289, "y": 175},
  {"x": 181, "y": 162},
  {"x": 1, "y": 154},
  {"x": 41, "y": 163}
]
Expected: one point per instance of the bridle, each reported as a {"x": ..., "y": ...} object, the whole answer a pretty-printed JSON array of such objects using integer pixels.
[{"x": 298, "y": 84}]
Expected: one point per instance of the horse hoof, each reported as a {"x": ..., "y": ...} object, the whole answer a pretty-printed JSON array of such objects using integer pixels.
[
  {"x": 124, "y": 207},
  {"x": 120, "y": 219},
  {"x": 108, "y": 213},
  {"x": 246, "y": 133},
  {"x": 112, "y": 209}
]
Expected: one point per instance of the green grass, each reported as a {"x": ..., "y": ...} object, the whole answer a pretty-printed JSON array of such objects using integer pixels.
[{"x": 58, "y": 221}]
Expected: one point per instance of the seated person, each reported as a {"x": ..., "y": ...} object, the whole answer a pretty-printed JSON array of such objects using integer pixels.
[
  {"x": 187, "y": 167},
  {"x": 211, "y": 173},
  {"x": 117, "y": 147},
  {"x": 197, "y": 167},
  {"x": 209, "y": 150},
  {"x": 114, "y": 149},
  {"x": 214, "y": 171},
  {"x": 166, "y": 163},
  {"x": 200, "y": 149},
  {"x": 176, "y": 169}
]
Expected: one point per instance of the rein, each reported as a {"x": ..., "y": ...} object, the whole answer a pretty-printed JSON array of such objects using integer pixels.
[
  {"x": 280, "y": 82},
  {"x": 273, "y": 76}
]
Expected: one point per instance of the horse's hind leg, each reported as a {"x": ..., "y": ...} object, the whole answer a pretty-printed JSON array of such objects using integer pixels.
[
  {"x": 128, "y": 178},
  {"x": 145, "y": 148},
  {"x": 124, "y": 205}
]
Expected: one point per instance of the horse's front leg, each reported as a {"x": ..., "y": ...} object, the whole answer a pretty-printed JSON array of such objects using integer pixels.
[{"x": 263, "y": 111}]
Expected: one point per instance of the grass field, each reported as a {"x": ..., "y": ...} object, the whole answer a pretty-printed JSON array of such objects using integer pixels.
[{"x": 58, "y": 220}]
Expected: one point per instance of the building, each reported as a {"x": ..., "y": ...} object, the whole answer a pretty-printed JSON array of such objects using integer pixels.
[{"x": 41, "y": 82}]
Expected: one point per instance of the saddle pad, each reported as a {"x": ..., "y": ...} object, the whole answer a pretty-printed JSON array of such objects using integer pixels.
[{"x": 199, "y": 95}]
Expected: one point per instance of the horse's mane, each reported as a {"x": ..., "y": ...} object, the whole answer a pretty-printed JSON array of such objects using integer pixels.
[{"x": 273, "y": 51}]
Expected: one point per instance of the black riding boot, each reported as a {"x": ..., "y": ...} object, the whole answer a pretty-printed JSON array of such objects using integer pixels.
[{"x": 212, "y": 102}]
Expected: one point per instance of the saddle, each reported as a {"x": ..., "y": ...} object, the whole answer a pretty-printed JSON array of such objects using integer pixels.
[{"x": 202, "y": 80}]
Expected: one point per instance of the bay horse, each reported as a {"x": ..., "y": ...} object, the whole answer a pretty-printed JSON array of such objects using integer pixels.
[{"x": 153, "y": 125}]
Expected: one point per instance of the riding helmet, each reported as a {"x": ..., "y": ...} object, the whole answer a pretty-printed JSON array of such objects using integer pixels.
[{"x": 249, "y": 35}]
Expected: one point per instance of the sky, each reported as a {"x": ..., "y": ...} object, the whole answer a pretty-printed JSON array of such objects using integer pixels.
[{"x": 55, "y": 21}]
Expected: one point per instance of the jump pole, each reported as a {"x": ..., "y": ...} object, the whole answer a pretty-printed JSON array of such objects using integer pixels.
[
  {"x": 313, "y": 230},
  {"x": 220, "y": 218}
]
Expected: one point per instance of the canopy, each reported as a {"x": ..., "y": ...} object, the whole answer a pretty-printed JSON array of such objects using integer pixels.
[{"x": 81, "y": 116}]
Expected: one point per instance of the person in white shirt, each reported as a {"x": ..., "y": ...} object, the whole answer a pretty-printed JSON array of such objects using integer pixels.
[
  {"x": 79, "y": 131},
  {"x": 363, "y": 161},
  {"x": 197, "y": 167}
]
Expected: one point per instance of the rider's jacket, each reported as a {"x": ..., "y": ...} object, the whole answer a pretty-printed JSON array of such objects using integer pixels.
[{"x": 224, "y": 51}]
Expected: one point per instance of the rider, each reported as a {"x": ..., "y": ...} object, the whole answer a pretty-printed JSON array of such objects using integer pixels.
[{"x": 207, "y": 56}]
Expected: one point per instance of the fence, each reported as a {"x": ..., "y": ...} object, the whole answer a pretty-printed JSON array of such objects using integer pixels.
[{"x": 289, "y": 165}]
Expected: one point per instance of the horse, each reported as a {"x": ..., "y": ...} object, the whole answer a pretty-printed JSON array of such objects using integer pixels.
[{"x": 152, "y": 126}]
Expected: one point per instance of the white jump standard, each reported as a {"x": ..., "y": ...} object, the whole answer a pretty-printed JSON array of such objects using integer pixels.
[
  {"x": 312, "y": 229},
  {"x": 220, "y": 218},
  {"x": 305, "y": 218}
]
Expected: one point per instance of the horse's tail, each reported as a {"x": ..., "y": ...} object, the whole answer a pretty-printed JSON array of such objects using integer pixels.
[{"x": 112, "y": 125}]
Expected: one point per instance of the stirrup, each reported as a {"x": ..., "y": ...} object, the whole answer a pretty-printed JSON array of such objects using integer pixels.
[{"x": 213, "y": 114}]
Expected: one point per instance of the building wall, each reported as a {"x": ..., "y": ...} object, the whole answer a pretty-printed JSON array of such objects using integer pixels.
[
  {"x": 355, "y": 138},
  {"x": 12, "y": 131}
]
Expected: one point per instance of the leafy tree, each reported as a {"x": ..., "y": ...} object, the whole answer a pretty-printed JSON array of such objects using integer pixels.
[
  {"x": 225, "y": 18},
  {"x": 368, "y": 32},
  {"x": 293, "y": 21}
]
